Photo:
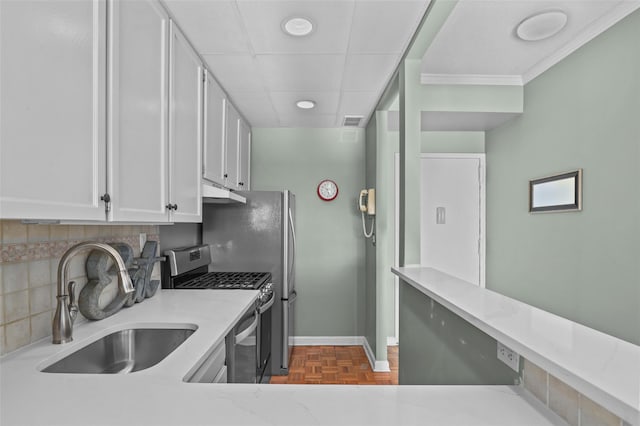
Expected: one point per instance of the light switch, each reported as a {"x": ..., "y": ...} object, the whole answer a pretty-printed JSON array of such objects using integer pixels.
[{"x": 440, "y": 215}]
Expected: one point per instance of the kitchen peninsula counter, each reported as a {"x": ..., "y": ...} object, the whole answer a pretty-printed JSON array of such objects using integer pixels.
[
  {"x": 159, "y": 395},
  {"x": 602, "y": 367}
]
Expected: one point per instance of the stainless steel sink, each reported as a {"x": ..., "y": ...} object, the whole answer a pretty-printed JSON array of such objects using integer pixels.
[{"x": 124, "y": 351}]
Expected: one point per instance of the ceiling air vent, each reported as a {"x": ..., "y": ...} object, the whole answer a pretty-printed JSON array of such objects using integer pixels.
[{"x": 352, "y": 120}]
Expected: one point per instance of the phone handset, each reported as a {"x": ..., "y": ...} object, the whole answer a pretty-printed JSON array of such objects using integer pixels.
[
  {"x": 367, "y": 201},
  {"x": 367, "y": 204}
]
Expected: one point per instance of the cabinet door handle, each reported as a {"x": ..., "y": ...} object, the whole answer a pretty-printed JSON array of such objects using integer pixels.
[
  {"x": 175, "y": 207},
  {"x": 172, "y": 206},
  {"x": 226, "y": 175}
]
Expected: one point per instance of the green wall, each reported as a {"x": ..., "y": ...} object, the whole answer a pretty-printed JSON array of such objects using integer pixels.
[
  {"x": 584, "y": 112},
  {"x": 469, "y": 98},
  {"x": 330, "y": 266},
  {"x": 450, "y": 142}
]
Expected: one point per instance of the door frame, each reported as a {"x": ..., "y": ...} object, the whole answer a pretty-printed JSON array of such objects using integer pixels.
[
  {"x": 396, "y": 246},
  {"x": 482, "y": 171}
]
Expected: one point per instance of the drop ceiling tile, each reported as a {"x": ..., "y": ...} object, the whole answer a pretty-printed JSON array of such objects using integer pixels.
[
  {"x": 384, "y": 26},
  {"x": 263, "y": 20},
  {"x": 312, "y": 121},
  {"x": 285, "y": 103},
  {"x": 212, "y": 26},
  {"x": 236, "y": 72},
  {"x": 283, "y": 73},
  {"x": 368, "y": 72},
  {"x": 257, "y": 108},
  {"x": 357, "y": 103}
]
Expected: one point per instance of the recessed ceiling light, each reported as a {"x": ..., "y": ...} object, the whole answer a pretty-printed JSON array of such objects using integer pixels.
[
  {"x": 297, "y": 26},
  {"x": 542, "y": 25},
  {"x": 305, "y": 104}
]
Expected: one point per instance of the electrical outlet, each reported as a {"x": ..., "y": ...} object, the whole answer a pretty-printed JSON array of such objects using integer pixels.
[
  {"x": 509, "y": 357},
  {"x": 143, "y": 240}
]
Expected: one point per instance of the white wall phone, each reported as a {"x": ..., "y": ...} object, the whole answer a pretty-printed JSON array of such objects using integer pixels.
[{"x": 367, "y": 204}]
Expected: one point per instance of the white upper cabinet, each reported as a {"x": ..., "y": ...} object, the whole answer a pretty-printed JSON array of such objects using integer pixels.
[
  {"x": 214, "y": 154},
  {"x": 231, "y": 140},
  {"x": 244, "y": 152},
  {"x": 227, "y": 140},
  {"x": 52, "y": 110},
  {"x": 185, "y": 130},
  {"x": 138, "y": 104},
  {"x": 156, "y": 117},
  {"x": 75, "y": 146}
]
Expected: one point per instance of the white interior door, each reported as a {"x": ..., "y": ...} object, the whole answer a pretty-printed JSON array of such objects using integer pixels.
[{"x": 452, "y": 215}]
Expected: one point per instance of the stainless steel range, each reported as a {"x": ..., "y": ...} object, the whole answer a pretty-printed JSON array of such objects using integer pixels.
[{"x": 249, "y": 345}]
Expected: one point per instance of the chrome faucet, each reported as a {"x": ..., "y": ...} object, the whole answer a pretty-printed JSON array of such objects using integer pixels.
[{"x": 67, "y": 308}]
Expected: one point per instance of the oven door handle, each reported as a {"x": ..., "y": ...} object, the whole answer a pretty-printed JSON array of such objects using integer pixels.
[
  {"x": 245, "y": 333},
  {"x": 264, "y": 308}
]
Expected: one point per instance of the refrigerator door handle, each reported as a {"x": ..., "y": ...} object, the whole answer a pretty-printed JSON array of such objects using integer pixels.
[
  {"x": 293, "y": 234},
  {"x": 292, "y": 297}
]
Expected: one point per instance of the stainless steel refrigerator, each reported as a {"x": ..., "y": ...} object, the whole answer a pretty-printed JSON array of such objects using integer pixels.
[{"x": 259, "y": 236}]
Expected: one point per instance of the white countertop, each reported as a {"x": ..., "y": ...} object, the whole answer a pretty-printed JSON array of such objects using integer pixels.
[
  {"x": 159, "y": 396},
  {"x": 600, "y": 366}
]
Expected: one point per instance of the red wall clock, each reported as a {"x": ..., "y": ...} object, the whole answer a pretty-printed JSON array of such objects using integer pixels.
[{"x": 327, "y": 190}]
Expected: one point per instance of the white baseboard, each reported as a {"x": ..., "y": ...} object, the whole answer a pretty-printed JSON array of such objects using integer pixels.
[
  {"x": 377, "y": 366},
  {"x": 382, "y": 367},
  {"x": 369, "y": 352},
  {"x": 327, "y": 340}
]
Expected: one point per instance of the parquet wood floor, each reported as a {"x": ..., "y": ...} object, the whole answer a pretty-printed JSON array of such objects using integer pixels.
[{"x": 337, "y": 365}]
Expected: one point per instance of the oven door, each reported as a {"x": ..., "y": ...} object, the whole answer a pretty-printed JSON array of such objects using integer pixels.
[
  {"x": 264, "y": 341},
  {"x": 242, "y": 349}
]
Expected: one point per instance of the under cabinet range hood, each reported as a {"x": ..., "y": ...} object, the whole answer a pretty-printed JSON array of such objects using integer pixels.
[{"x": 214, "y": 195}]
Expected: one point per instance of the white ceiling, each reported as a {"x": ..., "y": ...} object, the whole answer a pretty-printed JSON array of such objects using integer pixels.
[
  {"x": 478, "y": 43},
  {"x": 344, "y": 65}
]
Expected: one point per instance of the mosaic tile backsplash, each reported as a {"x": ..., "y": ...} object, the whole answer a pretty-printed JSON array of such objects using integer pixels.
[{"x": 29, "y": 256}]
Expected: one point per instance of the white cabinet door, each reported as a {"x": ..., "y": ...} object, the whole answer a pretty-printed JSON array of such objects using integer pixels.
[
  {"x": 138, "y": 142},
  {"x": 244, "y": 153},
  {"x": 185, "y": 130},
  {"x": 232, "y": 137},
  {"x": 214, "y": 131},
  {"x": 52, "y": 109}
]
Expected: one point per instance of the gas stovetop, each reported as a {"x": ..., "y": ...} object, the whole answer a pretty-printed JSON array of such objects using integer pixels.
[{"x": 227, "y": 280}]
